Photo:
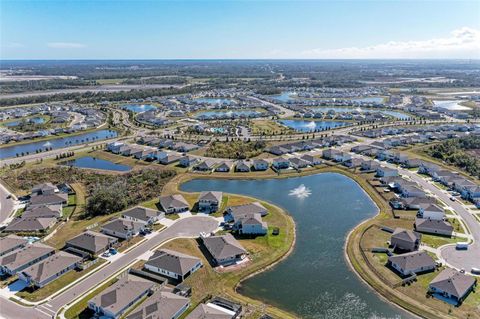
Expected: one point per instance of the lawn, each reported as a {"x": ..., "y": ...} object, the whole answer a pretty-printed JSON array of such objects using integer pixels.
[
  {"x": 437, "y": 241},
  {"x": 268, "y": 127},
  {"x": 57, "y": 284}
]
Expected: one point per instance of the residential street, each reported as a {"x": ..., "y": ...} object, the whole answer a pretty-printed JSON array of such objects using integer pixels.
[
  {"x": 6, "y": 204},
  {"x": 185, "y": 227}
]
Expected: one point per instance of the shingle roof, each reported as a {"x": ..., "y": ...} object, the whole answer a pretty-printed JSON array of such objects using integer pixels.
[
  {"x": 92, "y": 241},
  {"x": 161, "y": 305},
  {"x": 122, "y": 225},
  {"x": 117, "y": 297},
  {"x": 427, "y": 224},
  {"x": 211, "y": 196},
  {"x": 141, "y": 213},
  {"x": 412, "y": 261},
  {"x": 57, "y": 198},
  {"x": 51, "y": 266},
  {"x": 221, "y": 247},
  {"x": 30, "y": 224},
  {"x": 205, "y": 311},
  {"x": 453, "y": 282},
  {"x": 250, "y": 208},
  {"x": 43, "y": 211},
  {"x": 24, "y": 255},
  {"x": 173, "y": 201},
  {"x": 10, "y": 242},
  {"x": 405, "y": 235},
  {"x": 172, "y": 261}
]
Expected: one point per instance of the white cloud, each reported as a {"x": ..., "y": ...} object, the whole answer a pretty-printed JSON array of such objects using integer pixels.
[
  {"x": 65, "y": 45},
  {"x": 463, "y": 43},
  {"x": 14, "y": 45}
]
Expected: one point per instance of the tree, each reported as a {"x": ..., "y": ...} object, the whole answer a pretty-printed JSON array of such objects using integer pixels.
[{"x": 107, "y": 199}]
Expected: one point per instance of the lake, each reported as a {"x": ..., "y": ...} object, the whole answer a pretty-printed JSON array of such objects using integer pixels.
[
  {"x": 33, "y": 120},
  {"x": 290, "y": 96},
  {"x": 311, "y": 126},
  {"x": 315, "y": 280},
  {"x": 139, "y": 108},
  {"x": 56, "y": 143},
  {"x": 96, "y": 163},
  {"x": 451, "y": 105}
]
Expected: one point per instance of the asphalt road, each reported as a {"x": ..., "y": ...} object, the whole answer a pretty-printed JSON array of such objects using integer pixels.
[
  {"x": 186, "y": 227},
  {"x": 6, "y": 204}
]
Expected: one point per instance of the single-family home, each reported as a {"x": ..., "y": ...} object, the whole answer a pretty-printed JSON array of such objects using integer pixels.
[
  {"x": 431, "y": 211},
  {"x": 404, "y": 239},
  {"x": 187, "y": 161},
  {"x": 433, "y": 226},
  {"x": 280, "y": 163},
  {"x": 24, "y": 257},
  {"x": 123, "y": 228},
  {"x": 250, "y": 224},
  {"x": 92, "y": 242},
  {"x": 49, "y": 269},
  {"x": 209, "y": 202},
  {"x": 143, "y": 214},
  {"x": 223, "y": 167},
  {"x": 298, "y": 163},
  {"x": 205, "y": 166},
  {"x": 240, "y": 166},
  {"x": 412, "y": 263},
  {"x": 30, "y": 224},
  {"x": 412, "y": 191},
  {"x": 216, "y": 308},
  {"x": 172, "y": 204},
  {"x": 116, "y": 299},
  {"x": 161, "y": 305},
  {"x": 312, "y": 160},
  {"x": 224, "y": 249},
  {"x": 250, "y": 208},
  {"x": 383, "y": 171},
  {"x": 10, "y": 243},
  {"x": 169, "y": 159},
  {"x": 369, "y": 165},
  {"x": 260, "y": 165},
  {"x": 44, "y": 211},
  {"x": 173, "y": 264},
  {"x": 452, "y": 284}
]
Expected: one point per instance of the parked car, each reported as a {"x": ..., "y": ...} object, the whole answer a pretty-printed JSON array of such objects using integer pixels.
[{"x": 453, "y": 199}]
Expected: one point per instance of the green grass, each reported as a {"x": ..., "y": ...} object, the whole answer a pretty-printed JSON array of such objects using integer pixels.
[
  {"x": 437, "y": 241},
  {"x": 57, "y": 284}
]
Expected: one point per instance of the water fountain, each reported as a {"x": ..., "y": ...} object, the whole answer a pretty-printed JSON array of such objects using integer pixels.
[{"x": 301, "y": 191}]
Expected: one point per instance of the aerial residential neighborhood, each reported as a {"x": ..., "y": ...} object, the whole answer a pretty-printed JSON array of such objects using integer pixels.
[{"x": 239, "y": 159}]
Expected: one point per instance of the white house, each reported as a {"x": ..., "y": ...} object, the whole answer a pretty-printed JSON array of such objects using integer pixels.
[
  {"x": 431, "y": 211},
  {"x": 173, "y": 264}
]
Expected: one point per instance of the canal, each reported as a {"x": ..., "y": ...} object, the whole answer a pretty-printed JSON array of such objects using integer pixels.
[
  {"x": 55, "y": 143},
  {"x": 315, "y": 280}
]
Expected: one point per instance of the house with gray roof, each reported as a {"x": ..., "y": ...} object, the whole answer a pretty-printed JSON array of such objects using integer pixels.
[
  {"x": 24, "y": 257},
  {"x": 223, "y": 167},
  {"x": 224, "y": 249},
  {"x": 43, "y": 211},
  {"x": 114, "y": 301},
  {"x": 161, "y": 305},
  {"x": 205, "y": 166},
  {"x": 10, "y": 243},
  {"x": 240, "y": 166},
  {"x": 123, "y": 228},
  {"x": 431, "y": 211},
  {"x": 412, "y": 263},
  {"x": 209, "y": 311},
  {"x": 47, "y": 270},
  {"x": 142, "y": 214},
  {"x": 176, "y": 203},
  {"x": 260, "y": 165},
  {"x": 30, "y": 224},
  {"x": 173, "y": 264},
  {"x": 453, "y": 285},
  {"x": 209, "y": 202},
  {"x": 404, "y": 239},
  {"x": 433, "y": 226},
  {"x": 250, "y": 224},
  {"x": 251, "y": 208},
  {"x": 92, "y": 242}
]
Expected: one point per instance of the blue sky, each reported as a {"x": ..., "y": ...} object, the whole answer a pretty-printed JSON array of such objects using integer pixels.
[{"x": 239, "y": 29}]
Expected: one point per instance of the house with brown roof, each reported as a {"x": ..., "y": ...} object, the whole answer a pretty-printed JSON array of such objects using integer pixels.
[{"x": 173, "y": 264}]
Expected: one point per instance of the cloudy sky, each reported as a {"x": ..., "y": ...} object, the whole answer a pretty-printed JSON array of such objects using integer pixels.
[{"x": 266, "y": 29}]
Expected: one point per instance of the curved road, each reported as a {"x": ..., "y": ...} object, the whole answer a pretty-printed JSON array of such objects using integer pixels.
[{"x": 185, "y": 227}]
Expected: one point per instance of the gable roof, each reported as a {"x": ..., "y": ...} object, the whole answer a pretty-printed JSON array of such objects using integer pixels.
[
  {"x": 225, "y": 246},
  {"x": 30, "y": 224},
  {"x": 122, "y": 225},
  {"x": 161, "y": 305},
  {"x": 405, "y": 235},
  {"x": 43, "y": 211},
  {"x": 208, "y": 311},
  {"x": 432, "y": 224},
  {"x": 250, "y": 208},
  {"x": 172, "y": 261},
  {"x": 453, "y": 282}
]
